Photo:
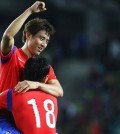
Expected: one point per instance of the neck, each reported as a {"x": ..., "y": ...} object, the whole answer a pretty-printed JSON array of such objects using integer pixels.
[{"x": 26, "y": 51}]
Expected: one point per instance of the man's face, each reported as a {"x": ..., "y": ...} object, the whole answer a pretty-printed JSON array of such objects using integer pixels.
[{"x": 37, "y": 43}]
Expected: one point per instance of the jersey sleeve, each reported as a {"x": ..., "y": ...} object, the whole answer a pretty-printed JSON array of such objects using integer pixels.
[
  {"x": 51, "y": 74},
  {"x": 6, "y": 58}
]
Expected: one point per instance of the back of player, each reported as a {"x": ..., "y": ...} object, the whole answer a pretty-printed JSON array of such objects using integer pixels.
[{"x": 35, "y": 112}]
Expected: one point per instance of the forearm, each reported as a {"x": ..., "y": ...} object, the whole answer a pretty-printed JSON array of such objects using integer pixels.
[
  {"x": 53, "y": 87},
  {"x": 16, "y": 25},
  {"x": 55, "y": 90},
  {"x": 7, "y": 42}
]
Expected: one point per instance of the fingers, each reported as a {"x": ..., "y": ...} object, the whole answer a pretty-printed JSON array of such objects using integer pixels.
[
  {"x": 38, "y": 7},
  {"x": 42, "y": 6},
  {"x": 22, "y": 87}
]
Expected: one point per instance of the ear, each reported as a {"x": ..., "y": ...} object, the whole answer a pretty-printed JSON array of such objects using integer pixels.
[
  {"x": 45, "y": 79},
  {"x": 28, "y": 35}
]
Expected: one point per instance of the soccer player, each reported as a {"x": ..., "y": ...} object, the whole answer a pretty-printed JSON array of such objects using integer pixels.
[
  {"x": 36, "y": 35},
  {"x": 34, "y": 112}
]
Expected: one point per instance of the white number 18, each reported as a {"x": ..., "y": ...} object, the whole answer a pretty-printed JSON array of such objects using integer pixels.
[{"x": 49, "y": 112}]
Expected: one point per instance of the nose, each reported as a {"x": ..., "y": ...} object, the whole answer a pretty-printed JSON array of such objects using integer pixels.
[{"x": 44, "y": 44}]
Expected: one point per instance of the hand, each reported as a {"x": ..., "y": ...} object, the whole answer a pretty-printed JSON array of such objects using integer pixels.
[
  {"x": 25, "y": 85},
  {"x": 38, "y": 7}
]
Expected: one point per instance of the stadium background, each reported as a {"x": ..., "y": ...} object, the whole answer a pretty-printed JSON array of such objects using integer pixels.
[{"x": 85, "y": 53}]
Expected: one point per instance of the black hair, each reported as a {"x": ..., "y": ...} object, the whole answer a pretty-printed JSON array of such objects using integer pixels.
[
  {"x": 36, "y": 69},
  {"x": 35, "y": 25}
]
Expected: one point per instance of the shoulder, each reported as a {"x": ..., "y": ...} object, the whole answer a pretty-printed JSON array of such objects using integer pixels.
[{"x": 51, "y": 74}]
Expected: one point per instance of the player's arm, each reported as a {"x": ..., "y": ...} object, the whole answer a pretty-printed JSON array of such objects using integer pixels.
[
  {"x": 52, "y": 87},
  {"x": 7, "y": 41}
]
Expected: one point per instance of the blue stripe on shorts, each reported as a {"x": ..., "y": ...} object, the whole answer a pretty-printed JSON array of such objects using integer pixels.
[{"x": 9, "y": 100}]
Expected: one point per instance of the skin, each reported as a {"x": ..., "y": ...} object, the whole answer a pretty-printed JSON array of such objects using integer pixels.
[
  {"x": 33, "y": 46},
  {"x": 36, "y": 44}
]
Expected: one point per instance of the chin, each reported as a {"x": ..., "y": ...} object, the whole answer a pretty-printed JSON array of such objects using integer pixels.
[{"x": 38, "y": 53}]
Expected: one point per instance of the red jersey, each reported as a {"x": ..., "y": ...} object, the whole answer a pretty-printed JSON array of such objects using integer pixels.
[
  {"x": 35, "y": 112},
  {"x": 11, "y": 68}
]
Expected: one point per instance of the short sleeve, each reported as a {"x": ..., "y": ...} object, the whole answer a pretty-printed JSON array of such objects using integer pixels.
[
  {"x": 51, "y": 74},
  {"x": 6, "y": 58}
]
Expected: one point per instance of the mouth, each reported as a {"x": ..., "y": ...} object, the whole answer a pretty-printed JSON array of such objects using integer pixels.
[{"x": 40, "y": 49}]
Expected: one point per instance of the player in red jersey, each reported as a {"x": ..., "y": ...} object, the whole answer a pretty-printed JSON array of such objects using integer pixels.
[
  {"x": 34, "y": 113},
  {"x": 36, "y": 36}
]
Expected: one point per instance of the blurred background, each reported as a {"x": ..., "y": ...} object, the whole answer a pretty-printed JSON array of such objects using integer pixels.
[{"x": 85, "y": 54}]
